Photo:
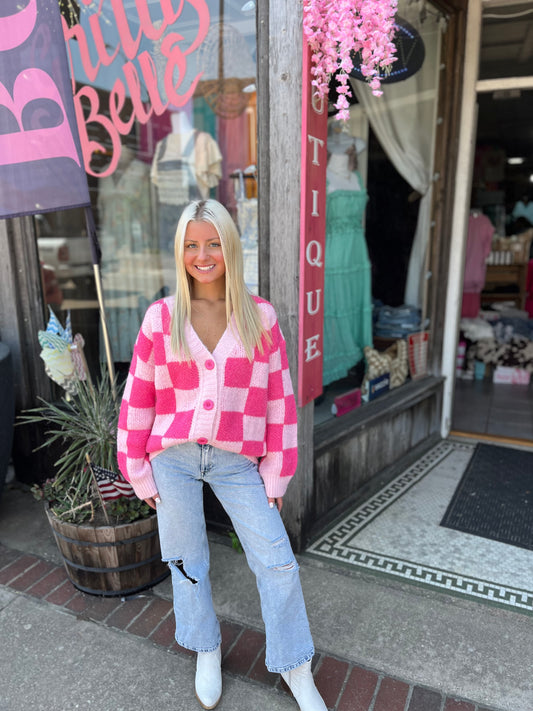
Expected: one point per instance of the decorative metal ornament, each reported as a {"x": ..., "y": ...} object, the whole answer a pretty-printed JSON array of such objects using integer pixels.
[{"x": 224, "y": 51}]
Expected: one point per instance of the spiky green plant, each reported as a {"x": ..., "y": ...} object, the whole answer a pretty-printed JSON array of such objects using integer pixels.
[{"x": 84, "y": 424}]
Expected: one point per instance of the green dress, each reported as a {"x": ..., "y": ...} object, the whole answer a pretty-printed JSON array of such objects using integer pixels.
[{"x": 347, "y": 289}]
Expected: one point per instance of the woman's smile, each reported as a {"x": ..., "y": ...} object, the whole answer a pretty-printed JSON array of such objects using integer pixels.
[{"x": 207, "y": 268}]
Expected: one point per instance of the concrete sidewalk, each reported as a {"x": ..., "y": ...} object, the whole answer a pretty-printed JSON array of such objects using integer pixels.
[{"x": 381, "y": 645}]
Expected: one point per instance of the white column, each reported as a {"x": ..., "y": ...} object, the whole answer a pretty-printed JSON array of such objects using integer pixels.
[{"x": 461, "y": 205}]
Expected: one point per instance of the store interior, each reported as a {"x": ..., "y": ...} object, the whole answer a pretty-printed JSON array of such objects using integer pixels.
[
  {"x": 493, "y": 389},
  {"x": 495, "y": 344},
  {"x": 378, "y": 205},
  {"x": 493, "y": 393},
  {"x": 402, "y": 536}
]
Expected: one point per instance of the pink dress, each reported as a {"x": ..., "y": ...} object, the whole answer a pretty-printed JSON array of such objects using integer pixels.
[{"x": 478, "y": 246}]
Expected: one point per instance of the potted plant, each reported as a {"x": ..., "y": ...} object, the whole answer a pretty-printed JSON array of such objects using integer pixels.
[{"x": 107, "y": 536}]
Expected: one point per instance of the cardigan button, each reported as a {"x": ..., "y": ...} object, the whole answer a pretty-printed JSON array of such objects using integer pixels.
[
  {"x": 209, "y": 364},
  {"x": 202, "y": 440},
  {"x": 208, "y": 404}
]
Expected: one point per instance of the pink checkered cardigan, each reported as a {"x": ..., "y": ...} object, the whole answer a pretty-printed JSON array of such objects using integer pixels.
[{"x": 219, "y": 398}]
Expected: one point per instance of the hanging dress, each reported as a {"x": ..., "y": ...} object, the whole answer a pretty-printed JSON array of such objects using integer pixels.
[
  {"x": 347, "y": 289},
  {"x": 478, "y": 247}
]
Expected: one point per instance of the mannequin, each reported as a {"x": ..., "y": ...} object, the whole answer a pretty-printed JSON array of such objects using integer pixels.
[
  {"x": 180, "y": 122},
  {"x": 339, "y": 175},
  {"x": 347, "y": 289},
  {"x": 127, "y": 155},
  {"x": 186, "y": 164},
  {"x": 124, "y": 206}
]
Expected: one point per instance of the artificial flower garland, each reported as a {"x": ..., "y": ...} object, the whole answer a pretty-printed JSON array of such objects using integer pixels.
[{"x": 338, "y": 29}]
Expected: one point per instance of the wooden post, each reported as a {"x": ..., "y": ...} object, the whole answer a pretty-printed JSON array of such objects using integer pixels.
[
  {"x": 22, "y": 314},
  {"x": 463, "y": 184},
  {"x": 279, "y": 144}
]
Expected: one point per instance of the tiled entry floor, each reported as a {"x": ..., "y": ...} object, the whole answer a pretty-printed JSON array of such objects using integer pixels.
[
  {"x": 486, "y": 408},
  {"x": 397, "y": 533}
]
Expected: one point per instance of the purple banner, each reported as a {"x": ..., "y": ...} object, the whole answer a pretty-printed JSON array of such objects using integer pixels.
[{"x": 41, "y": 167}]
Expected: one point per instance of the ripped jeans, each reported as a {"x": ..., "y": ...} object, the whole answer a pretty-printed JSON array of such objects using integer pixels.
[{"x": 179, "y": 473}]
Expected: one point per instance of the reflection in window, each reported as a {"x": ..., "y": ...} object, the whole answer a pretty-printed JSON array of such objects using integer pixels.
[
  {"x": 379, "y": 197},
  {"x": 506, "y": 41},
  {"x": 169, "y": 106}
]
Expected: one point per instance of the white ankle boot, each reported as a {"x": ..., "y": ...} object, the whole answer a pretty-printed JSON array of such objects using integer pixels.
[
  {"x": 208, "y": 681},
  {"x": 300, "y": 681}
]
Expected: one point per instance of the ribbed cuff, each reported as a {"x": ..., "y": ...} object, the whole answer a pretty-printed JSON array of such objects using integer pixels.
[
  {"x": 277, "y": 486},
  {"x": 145, "y": 487}
]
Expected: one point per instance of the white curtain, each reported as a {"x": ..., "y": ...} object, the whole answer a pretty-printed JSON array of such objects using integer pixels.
[{"x": 404, "y": 121}]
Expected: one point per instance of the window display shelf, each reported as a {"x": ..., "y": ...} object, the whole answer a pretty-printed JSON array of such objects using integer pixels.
[{"x": 509, "y": 276}]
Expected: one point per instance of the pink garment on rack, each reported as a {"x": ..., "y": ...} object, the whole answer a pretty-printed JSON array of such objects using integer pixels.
[
  {"x": 232, "y": 137},
  {"x": 478, "y": 246},
  {"x": 151, "y": 133},
  {"x": 471, "y": 305}
]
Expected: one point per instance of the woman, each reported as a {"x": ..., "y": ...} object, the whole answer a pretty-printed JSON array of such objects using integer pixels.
[{"x": 209, "y": 399}]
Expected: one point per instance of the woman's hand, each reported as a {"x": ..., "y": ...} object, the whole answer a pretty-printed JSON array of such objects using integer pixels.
[
  {"x": 152, "y": 501},
  {"x": 278, "y": 501}
]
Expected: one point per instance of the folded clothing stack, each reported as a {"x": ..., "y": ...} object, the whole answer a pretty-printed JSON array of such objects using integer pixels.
[{"x": 397, "y": 321}]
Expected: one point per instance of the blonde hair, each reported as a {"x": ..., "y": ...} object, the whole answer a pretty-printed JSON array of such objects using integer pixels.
[{"x": 239, "y": 301}]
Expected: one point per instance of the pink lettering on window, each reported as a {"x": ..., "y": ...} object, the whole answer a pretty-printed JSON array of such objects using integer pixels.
[
  {"x": 76, "y": 32},
  {"x": 99, "y": 42},
  {"x": 149, "y": 72},
  {"x": 90, "y": 146},
  {"x": 136, "y": 76},
  {"x": 176, "y": 60},
  {"x": 203, "y": 18},
  {"x": 129, "y": 44},
  {"x": 145, "y": 20}
]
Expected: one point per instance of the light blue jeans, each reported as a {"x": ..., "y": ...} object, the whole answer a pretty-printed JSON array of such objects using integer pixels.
[{"x": 180, "y": 473}]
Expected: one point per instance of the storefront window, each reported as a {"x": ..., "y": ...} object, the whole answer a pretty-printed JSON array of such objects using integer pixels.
[
  {"x": 506, "y": 41},
  {"x": 379, "y": 178},
  {"x": 165, "y": 95}
]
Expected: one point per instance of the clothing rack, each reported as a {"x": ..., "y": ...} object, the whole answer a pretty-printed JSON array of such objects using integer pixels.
[{"x": 241, "y": 175}]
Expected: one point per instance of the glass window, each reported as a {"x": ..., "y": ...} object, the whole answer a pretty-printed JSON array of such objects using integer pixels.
[
  {"x": 503, "y": 166},
  {"x": 506, "y": 41},
  {"x": 378, "y": 215},
  {"x": 166, "y": 101}
]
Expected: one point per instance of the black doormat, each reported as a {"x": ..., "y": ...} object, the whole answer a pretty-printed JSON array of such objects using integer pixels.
[{"x": 494, "y": 498}]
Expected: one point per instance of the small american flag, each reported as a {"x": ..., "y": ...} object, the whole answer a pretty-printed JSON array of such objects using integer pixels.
[{"x": 111, "y": 485}]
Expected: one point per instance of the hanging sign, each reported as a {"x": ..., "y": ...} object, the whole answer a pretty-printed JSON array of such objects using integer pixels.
[
  {"x": 41, "y": 167},
  {"x": 410, "y": 55},
  {"x": 312, "y": 237}
]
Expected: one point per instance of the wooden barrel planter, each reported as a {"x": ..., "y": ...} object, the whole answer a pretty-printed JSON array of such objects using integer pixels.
[{"x": 110, "y": 560}]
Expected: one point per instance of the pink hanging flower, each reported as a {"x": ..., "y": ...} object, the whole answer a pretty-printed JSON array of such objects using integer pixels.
[{"x": 336, "y": 30}]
